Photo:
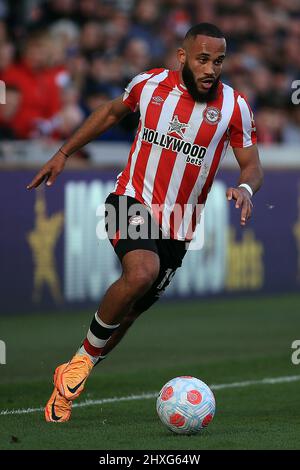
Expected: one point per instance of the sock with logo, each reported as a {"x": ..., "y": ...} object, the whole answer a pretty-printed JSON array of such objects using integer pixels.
[{"x": 97, "y": 337}]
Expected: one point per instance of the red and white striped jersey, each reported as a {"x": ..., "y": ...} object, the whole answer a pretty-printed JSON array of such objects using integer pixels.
[{"x": 179, "y": 146}]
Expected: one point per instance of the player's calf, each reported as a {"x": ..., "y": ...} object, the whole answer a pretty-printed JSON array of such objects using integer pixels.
[{"x": 119, "y": 333}]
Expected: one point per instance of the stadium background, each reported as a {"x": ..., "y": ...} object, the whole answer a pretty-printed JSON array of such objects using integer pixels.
[{"x": 59, "y": 60}]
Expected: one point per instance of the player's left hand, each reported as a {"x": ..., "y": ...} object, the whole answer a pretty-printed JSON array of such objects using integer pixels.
[{"x": 243, "y": 201}]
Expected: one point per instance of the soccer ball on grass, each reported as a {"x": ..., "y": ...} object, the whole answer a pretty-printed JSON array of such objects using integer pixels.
[{"x": 186, "y": 405}]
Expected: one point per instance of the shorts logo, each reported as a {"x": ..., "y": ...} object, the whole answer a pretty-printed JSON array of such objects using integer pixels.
[
  {"x": 165, "y": 281},
  {"x": 212, "y": 115},
  {"x": 136, "y": 220}
]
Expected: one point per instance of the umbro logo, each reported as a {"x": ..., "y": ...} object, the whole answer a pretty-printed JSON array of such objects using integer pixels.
[{"x": 157, "y": 100}]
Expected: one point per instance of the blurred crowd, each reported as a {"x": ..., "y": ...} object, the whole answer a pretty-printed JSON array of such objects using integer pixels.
[{"x": 61, "y": 59}]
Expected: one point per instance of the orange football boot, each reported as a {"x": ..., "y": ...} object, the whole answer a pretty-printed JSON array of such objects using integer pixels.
[
  {"x": 58, "y": 409},
  {"x": 71, "y": 379}
]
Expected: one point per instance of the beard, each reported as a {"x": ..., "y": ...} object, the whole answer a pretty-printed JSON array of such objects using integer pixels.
[{"x": 191, "y": 85}]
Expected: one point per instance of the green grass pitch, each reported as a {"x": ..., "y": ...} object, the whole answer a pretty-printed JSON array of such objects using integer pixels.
[{"x": 219, "y": 341}]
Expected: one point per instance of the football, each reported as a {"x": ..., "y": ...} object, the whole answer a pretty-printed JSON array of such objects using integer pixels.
[{"x": 186, "y": 405}]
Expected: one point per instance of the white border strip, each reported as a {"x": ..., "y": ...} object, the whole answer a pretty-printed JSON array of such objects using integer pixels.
[{"x": 146, "y": 396}]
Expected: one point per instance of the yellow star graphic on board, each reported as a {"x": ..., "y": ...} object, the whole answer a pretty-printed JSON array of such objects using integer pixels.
[{"x": 42, "y": 241}]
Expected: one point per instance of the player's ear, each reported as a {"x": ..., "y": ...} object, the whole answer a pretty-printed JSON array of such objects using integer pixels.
[{"x": 181, "y": 55}]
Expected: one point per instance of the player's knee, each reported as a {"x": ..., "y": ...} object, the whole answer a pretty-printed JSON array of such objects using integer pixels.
[
  {"x": 140, "y": 280},
  {"x": 143, "y": 279}
]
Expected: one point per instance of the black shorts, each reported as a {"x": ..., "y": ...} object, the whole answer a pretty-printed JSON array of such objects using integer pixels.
[{"x": 130, "y": 226}]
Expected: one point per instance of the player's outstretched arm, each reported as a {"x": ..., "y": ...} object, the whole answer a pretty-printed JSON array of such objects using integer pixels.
[
  {"x": 102, "y": 119},
  {"x": 251, "y": 179}
]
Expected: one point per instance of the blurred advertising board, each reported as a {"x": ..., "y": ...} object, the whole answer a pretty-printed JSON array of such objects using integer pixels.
[{"x": 51, "y": 257}]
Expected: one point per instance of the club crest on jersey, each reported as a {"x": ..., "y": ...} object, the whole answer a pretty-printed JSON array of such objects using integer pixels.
[
  {"x": 178, "y": 127},
  {"x": 212, "y": 115}
]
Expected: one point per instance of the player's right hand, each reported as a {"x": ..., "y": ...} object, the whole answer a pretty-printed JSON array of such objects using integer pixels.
[{"x": 49, "y": 171}]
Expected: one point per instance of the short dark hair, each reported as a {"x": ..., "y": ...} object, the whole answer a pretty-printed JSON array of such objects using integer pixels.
[{"x": 206, "y": 29}]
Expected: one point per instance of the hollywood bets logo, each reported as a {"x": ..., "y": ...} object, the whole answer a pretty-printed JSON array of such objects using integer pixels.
[{"x": 194, "y": 153}]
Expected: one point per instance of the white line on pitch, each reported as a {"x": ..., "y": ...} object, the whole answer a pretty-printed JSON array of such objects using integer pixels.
[{"x": 145, "y": 396}]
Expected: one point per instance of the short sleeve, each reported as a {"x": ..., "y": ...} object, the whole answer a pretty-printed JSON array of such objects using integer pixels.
[
  {"x": 134, "y": 89},
  {"x": 242, "y": 129}
]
